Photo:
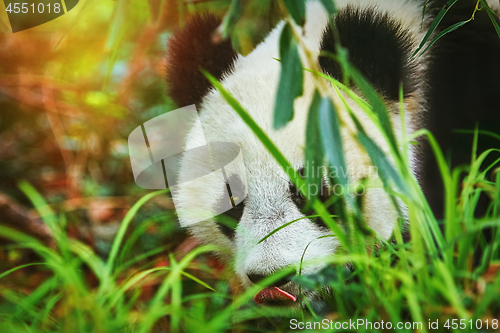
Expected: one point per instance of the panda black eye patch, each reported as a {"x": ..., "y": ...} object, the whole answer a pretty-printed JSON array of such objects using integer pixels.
[{"x": 228, "y": 221}]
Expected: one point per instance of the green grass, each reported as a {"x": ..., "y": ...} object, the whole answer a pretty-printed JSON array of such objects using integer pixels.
[
  {"x": 432, "y": 277},
  {"x": 447, "y": 271}
]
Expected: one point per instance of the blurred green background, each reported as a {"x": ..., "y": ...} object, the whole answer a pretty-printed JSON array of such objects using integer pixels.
[{"x": 72, "y": 90}]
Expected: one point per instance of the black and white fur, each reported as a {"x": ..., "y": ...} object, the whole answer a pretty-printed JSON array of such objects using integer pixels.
[{"x": 380, "y": 36}]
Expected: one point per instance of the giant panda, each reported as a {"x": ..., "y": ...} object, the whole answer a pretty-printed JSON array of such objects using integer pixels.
[{"x": 380, "y": 36}]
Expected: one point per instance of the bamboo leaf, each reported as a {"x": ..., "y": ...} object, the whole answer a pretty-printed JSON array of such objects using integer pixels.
[
  {"x": 297, "y": 10},
  {"x": 331, "y": 140},
  {"x": 256, "y": 129},
  {"x": 329, "y": 6},
  {"x": 424, "y": 9},
  {"x": 121, "y": 235},
  {"x": 493, "y": 17},
  {"x": 434, "y": 25},
  {"x": 444, "y": 32},
  {"x": 291, "y": 78},
  {"x": 378, "y": 106},
  {"x": 314, "y": 151},
  {"x": 386, "y": 170},
  {"x": 331, "y": 143}
]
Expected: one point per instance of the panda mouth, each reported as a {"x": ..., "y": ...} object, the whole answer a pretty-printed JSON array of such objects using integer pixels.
[{"x": 274, "y": 295}]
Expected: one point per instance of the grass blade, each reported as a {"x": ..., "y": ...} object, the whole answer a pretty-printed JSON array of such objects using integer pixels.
[
  {"x": 286, "y": 225},
  {"x": 329, "y": 6},
  {"x": 434, "y": 25},
  {"x": 493, "y": 17},
  {"x": 19, "y": 267},
  {"x": 444, "y": 32},
  {"x": 121, "y": 234}
]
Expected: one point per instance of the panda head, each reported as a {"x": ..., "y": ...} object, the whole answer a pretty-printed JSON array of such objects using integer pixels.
[{"x": 380, "y": 37}]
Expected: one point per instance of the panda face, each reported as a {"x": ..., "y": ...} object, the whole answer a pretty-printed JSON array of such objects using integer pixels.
[{"x": 270, "y": 199}]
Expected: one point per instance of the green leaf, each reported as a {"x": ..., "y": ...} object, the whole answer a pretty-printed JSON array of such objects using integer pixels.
[
  {"x": 329, "y": 6},
  {"x": 377, "y": 104},
  {"x": 291, "y": 78},
  {"x": 155, "y": 308},
  {"x": 297, "y": 10},
  {"x": 386, "y": 170},
  {"x": 434, "y": 25},
  {"x": 314, "y": 151},
  {"x": 493, "y": 17},
  {"x": 232, "y": 16},
  {"x": 331, "y": 140},
  {"x": 256, "y": 129},
  {"x": 195, "y": 279},
  {"x": 446, "y": 31}
]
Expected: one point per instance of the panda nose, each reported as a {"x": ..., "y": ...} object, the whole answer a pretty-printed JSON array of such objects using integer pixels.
[{"x": 257, "y": 279}]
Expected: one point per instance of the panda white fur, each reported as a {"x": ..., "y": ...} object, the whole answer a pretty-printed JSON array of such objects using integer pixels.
[{"x": 380, "y": 35}]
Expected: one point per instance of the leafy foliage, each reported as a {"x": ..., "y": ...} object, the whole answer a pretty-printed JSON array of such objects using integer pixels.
[{"x": 291, "y": 78}]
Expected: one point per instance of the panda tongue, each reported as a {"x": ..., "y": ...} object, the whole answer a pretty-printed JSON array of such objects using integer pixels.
[{"x": 273, "y": 294}]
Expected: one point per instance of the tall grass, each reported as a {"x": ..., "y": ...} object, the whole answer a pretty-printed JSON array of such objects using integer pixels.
[{"x": 432, "y": 277}]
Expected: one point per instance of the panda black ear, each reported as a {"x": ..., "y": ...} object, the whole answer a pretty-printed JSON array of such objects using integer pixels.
[{"x": 190, "y": 49}]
